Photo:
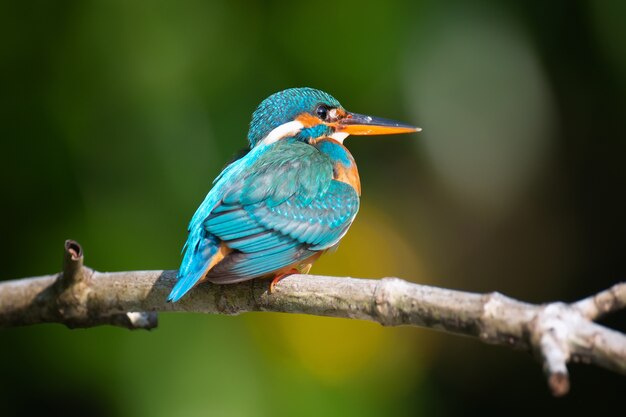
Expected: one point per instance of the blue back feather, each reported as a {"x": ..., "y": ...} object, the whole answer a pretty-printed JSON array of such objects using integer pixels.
[{"x": 201, "y": 246}]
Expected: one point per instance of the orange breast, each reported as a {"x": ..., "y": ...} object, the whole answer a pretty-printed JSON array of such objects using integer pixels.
[
  {"x": 344, "y": 166},
  {"x": 349, "y": 175}
]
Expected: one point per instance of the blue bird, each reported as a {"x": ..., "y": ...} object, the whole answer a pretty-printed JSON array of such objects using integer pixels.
[{"x": 292, "y": 197}]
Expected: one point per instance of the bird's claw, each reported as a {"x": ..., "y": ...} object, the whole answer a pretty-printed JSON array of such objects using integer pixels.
[{"x": 280, "y": 276}]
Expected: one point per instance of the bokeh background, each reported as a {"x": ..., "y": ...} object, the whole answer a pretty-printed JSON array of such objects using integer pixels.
[{"x": 116, "y": 116}]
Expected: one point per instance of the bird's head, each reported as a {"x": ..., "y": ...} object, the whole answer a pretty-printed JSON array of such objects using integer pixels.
[{"x": 308, "y": 114}]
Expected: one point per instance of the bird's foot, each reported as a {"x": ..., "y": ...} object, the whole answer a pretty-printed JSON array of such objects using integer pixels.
[{"x": 280, "y": 276}]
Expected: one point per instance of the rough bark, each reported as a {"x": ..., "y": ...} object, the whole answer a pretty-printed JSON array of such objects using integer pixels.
[{"x": 557, "y": 333}]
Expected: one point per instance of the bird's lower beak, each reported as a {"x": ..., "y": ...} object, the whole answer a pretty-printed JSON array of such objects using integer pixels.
[{"x": 359, "y": 124}]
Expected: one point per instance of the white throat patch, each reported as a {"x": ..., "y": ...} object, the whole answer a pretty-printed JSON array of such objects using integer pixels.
[
  {"x": 291, "y": 129},
  {"x": 340, "y": 136},
  {"x": 284, "y": 130}
]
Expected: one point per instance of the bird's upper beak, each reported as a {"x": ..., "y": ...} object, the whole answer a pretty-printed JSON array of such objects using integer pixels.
[{"x": 359, "y": 124}]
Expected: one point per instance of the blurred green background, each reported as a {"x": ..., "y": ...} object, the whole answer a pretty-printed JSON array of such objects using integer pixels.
[{"x": 117, "y": 115}]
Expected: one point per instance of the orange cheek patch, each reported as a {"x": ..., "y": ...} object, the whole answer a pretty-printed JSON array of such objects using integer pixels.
[
  {"x": 339, "y": 114},
  {"x": 308, "y": 120}
]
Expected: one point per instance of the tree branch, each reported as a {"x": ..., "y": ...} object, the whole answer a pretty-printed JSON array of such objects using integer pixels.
[{"x": 557, "y": 333}]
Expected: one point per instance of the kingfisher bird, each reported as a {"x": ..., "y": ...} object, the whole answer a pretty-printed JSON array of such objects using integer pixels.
[{"x": 288, "y": 200}]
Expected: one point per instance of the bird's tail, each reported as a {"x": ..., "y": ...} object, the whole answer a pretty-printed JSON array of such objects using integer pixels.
[{"x": 201, "y": 252}]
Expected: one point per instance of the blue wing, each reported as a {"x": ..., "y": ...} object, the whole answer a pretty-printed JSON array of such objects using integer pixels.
[
  {"x": 276, "y": 206},
  {"x": 270, "y": 237},
  {"x": 201, "y": 248}
]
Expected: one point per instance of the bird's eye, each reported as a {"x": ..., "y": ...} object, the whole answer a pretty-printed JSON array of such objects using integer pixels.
[{"x": 322, "y": 111}]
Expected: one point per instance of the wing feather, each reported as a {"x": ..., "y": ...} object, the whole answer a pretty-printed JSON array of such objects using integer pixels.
[{"x": 273, "y": 208}]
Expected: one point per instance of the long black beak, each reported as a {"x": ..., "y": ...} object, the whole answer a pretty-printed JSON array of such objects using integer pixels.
[{"x": 360, "y": 124}]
